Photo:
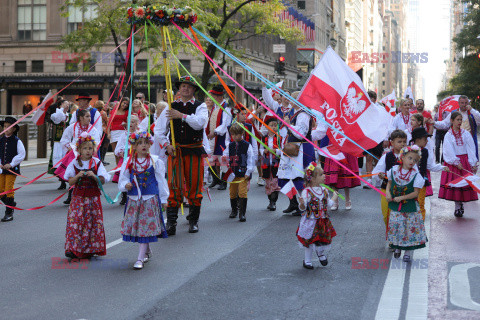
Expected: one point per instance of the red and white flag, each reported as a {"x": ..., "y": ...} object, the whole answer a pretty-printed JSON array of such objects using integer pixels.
[
  {"x": 39, "y": 116},
  {"x": 336, "y": 91},
  {"x": 289, "y": 189},
  {"x": 449, "y": 104},
  {"x": 228, "y": 176},
  {"x": 467, "y": 180},
  {"x": 332, "y": 152},
  {"x": 389, "y": 102}
]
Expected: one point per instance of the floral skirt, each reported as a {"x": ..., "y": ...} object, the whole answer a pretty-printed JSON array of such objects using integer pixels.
[
  {"x": 406, "y": 230},
  {"x": 338, "y": 177},
  {"x": 271, "y": 185},
  {"x": 463, "y": 194},
  {"x": 143, "y": 221},
  {"x": 322, "y": 233},
  {"x": 85, "y": 235}
]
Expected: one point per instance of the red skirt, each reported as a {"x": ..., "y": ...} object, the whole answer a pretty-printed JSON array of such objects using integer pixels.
[
  {"x": 116, "y": 176},
  {"x": 337, "y": 176},
  {"x": 323, "y": 233},
  {"x": 429, "y": 188},
  {"x": 463, "y": 194},
  {"x": 62, "y": 167}
]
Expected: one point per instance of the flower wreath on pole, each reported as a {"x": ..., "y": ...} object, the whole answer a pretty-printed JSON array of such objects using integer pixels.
[{"x": 184, "y": 17}]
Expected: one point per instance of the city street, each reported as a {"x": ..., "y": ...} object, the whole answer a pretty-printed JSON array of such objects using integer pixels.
[{"x": 233, "y": 270}]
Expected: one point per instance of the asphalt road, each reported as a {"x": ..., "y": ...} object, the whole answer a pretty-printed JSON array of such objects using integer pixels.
[{"x": 229, "y": 270}]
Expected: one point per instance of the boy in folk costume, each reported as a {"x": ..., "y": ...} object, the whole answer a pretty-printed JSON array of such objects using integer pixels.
[
  {"x": 398, "y": 140},
  {"x": 220, "y": 119},
  {"x": 270, "y": 162},
  {"x": 241, "y": 163},
  {"x": 12, "y": 153}
]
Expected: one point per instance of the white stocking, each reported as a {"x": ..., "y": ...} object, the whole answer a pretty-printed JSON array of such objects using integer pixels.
[
  {"x": 322, "y": 250},
  {"x": 142, "y": 250},
  {"x": 308, "y": 254}
]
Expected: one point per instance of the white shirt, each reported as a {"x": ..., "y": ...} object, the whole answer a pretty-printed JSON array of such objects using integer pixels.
[
  {"x": 143, "y": 126},
  {"x": 159, "y": 165},
  {"x": 221, "y": 130},
  {"x": 72, "y": 133},
  {"x": 101, "y": 172},
  {"x": 250, "y": 158},
  {"x": 398, "y": 123},
  {"x": 20, "y": 155},
  {"x": 418, "y": 183},
  {"x": 270, "y": 102},
  {"x": 59, "y": 116},
  {"x": 97, "y": 123},
  {"x": 451, "y": 149},
  {"x": 302, "y": 125}
]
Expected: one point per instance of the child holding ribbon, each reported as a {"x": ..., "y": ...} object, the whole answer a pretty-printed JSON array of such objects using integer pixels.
[
  {"x": 315, "y": 230},
  {"x": 85, "y": 235},
  {"x": 406, "y": 230},
  {"x": 143, "y": 178},
  {"x": 460, "y": 158}
]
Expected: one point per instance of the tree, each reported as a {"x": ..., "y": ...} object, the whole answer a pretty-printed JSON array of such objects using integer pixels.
[
  {"x": 226, "y": 22},
  {"x": 467, "y": 81}
]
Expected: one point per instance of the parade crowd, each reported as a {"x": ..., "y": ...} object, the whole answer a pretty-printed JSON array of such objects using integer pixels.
[{"x": 166, "y": 159}]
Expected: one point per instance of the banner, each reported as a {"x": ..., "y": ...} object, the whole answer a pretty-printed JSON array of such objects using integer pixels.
[{"x": 39, "y": 115}]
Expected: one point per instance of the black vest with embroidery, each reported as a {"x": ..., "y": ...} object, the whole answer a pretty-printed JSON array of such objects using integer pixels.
[
  {"x": 238, "y": 156},
  {"x": 293, "y": 122},
  {"x": 184, "y": 134},
  {"x": 8, "y": 150},
  {"x": 390, "y": 162},
  {"x": 270, "y": 162}
]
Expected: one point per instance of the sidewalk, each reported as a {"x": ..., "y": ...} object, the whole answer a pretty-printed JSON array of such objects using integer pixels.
[{"x": 32, "y": 154}]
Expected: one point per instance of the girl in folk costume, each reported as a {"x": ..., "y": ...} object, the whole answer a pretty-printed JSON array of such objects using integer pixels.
[
  {"x": 120, "y": 150},
  {"x": 426, "y": 164},
  {"x": 315, "y": 230},
  {"x": 69, "y": 141},
  {"x": 459, "y": 156},
  {"x": 144, "y": 180},
  {"x": 12, "y": 153},
  {"x": 298, "y": 150},
  {"x": 85, "y": 234},
  {"x": 260, "y": 132},
  {"x": 60, "y": 119},
  {"x": 406, "y": 230},
  {"x": 270, "y": 163}
]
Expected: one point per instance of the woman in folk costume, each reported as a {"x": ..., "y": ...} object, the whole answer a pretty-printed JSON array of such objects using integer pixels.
[
  {"x": 219, "y": 120},
  {"x": 143, "y": 177},
  {"x": 460, "y": 158},
  {"x": 60, "y": 119},
  {"x": 69, "y": 140},
  {"x": 85, "y": 234},
  {"x": 299, "y": 152},
  {"x": 402, "y": 120}
]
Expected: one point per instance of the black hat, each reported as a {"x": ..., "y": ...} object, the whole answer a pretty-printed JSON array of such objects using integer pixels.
[
  {"x": 217, "y": 90},
  {"x": 419, "y": 132},
  {"x": 84, "y": 95},
  {"x": 269, "y": 119},
  {"x": 10, "y": 120},
  {"x": 187, "y": 80}
]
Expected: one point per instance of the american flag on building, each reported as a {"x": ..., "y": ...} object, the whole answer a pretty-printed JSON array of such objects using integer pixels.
[{"x": 298, "y": 20}]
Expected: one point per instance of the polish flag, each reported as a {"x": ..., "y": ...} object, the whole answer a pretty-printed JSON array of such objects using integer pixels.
[
  {"x": 467, "y": 180},
  {"x": 228, "y": 176},
  {"x": 289, "y": 190},
  {"x": 449, "y": 104},
  {"x": 389, "y": 102},
  {"x": 337, "y": 92},
  {"x": 332, "y": 152},
  {"x": 39, "y": 116}
]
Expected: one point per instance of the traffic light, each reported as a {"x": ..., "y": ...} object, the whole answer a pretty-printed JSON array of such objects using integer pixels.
[{"x": 280, "y": 65}]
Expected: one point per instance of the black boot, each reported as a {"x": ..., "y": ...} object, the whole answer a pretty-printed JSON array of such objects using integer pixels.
[
  {"x": 9, "y": 211},
  {"x": 63, "y": 185},
  {"x": 69, "y": 198},
  {"x": 124, "y": 199},
  {"x": 215, "y": 179},
  {"x": 293, "y": 206},
  {"x": 223, "y": 185},
  {"x": 270, "y": 202},
  {"x": 172, "y": 216},
  {"x": 194, "y": 216},
  {"x": 274, "y": 200},
  {"x": 234, "y": 205},
  {"x": 242, "y": 209}
]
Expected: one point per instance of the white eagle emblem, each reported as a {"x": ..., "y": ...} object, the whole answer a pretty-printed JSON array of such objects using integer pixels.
[{"x": 354, "y": 103}]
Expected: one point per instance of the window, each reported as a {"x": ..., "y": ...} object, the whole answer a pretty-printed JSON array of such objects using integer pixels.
[
  {"x": 301, "y": 5},
  {"x": 71, "y": 65},
  {"x": 186, "y": 64},
  {"x": 32, "y": 20},
  {"x": 21, "y": 66},
  {"x": 89, "y": 65},
  {"x": 77, "y": 16},
  {"x": 141, "y": 65},
  {"x": 37, "y": 66}
]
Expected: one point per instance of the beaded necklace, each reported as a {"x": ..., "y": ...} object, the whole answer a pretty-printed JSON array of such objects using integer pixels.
[
  {"x": 406, "y": 118},
  {"x": 406, "y": 176}
]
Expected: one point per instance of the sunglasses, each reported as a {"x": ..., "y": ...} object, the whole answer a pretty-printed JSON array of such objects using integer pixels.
[{"x": 138, "y": 97}]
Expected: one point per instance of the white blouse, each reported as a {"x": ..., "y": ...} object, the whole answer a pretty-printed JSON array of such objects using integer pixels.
[
  {"x": 451, "y": 149},
  {"x": 159, "y": 166},
  {"x": 399, "y": 124},
  {"x": 101, "y": 172},
  {"x": 419, "y": 181},
  {"x": 73, "y": 132}
]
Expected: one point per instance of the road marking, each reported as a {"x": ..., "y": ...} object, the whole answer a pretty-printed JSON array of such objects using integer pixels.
[
  {"x": 391, "y": 299},
  {"x": 460, "y": 286},
  {"x": 417, "y": 307},
  {"x": 114, "y": 243}
]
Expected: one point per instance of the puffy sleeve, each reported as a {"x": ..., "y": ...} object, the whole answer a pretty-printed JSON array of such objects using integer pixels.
[
  {"x": 305, "y": 195},
  {"x": 67, "y": 136},
  {"x": 226, "y": 121},
  {"x": 124, "y": 178},
  {"x": 254, "y": 147},
  {"x": 206, "y": 143},
  {"x": 471, "y": 150},
  {"x": 476, "y": 115},
  {"x": 431, "y": 165},
  {"x": 120, "y": 147},
  {"x": 143, "y": 126},
  {"x": 198, "y": 120},
  {"x": 59, "y": 116},
  {"x": 101, "y": 171},
  {"x": 163, "y": 191},
  {"x": 98, "y": 124},
  {"x": 449, "y": 151},
  {"x": 444, "y": 124},
  {"x": 419, "y": 181},
  {"x": 96, "y": 135},
  {"x": 320, "y": 132},
  {"x": 267, "y": 97},
  {"x": 70, "y": 171},
  {"x": 250, "y": 160},
  {"x": 20, "y": 154},
  {"x": 302, "y": 125},
  {"x": 160, "y": 130}
]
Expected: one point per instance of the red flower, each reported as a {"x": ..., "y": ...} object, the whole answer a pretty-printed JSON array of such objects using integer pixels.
[
  {"x": 130, "y": 12},
  {"x": 148, "y": 17},
  {"x": 139, "y": 12}
]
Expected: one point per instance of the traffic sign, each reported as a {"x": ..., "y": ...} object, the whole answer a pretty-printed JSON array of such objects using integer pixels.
[{"x": 279, "y": 48}]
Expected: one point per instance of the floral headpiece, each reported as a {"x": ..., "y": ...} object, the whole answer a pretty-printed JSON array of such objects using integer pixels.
[
  {"x": 140, "y": 135},
  {"x": 413, "y": 148},
  {"x": 309, "y": 171},
  {"x": 84, "y": 137}
]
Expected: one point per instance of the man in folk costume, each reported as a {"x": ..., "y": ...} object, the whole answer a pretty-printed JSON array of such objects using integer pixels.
[
  {"x": 220, "y": 120},
  {"x": 470, "y": 117},
  {"x": 185, "y": 161},
  {"x": 84, "y": 103},
  {"x": 283, "y": 108}
]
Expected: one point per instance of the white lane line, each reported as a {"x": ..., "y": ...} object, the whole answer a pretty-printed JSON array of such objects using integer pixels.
[
  {"x": 417, "y": 307},
  {"x": 391, "y": 299},
  {"x": 114, "y": 243}
]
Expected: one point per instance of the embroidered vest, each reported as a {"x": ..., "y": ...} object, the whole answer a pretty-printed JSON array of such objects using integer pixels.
[
  {"x": 86, "y": 186},
  {"x": 238, "y": 157},
  {"x": 390, "y": 162},
  {"x": 8, "y": 151},
  {"x": 147, "y": 183},
  {"x": 184, "y": 134},
  {"x": 270, "y": 162},
  {"x": 397, "y": 190},
  {"x": 316, "y": 208}
]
